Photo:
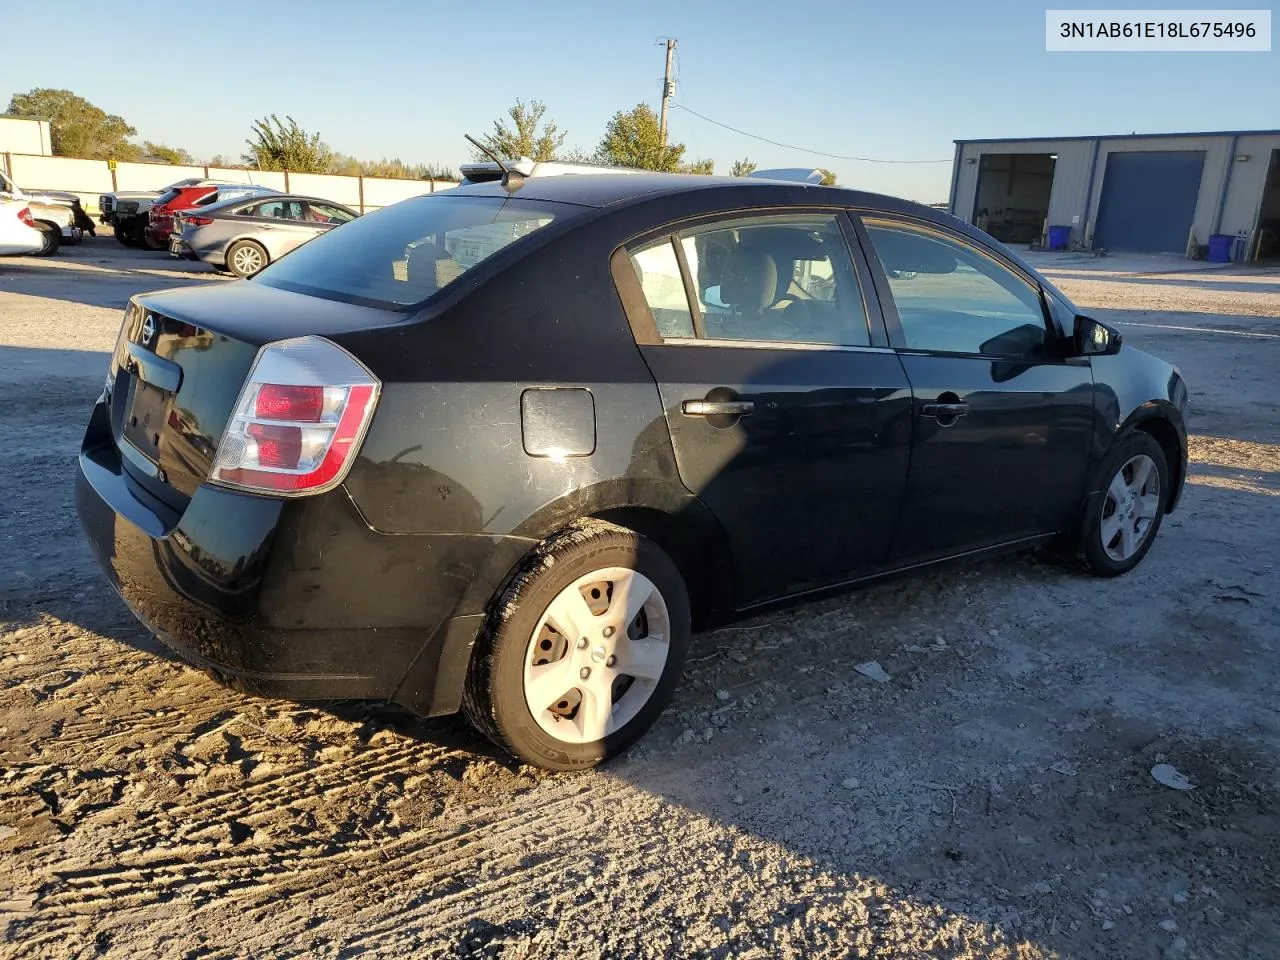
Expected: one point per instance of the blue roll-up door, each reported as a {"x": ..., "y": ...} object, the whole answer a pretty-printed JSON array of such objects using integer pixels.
[{"x": 1148, "y": 201}]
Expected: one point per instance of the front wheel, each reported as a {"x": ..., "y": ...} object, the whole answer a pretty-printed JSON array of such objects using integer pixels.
[
  {"x": 583, "y": 650},
  {"x": 1121, "y": 522}
]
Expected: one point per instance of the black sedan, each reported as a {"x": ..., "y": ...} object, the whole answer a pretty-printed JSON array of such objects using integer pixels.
[{"x": 502, "y": 448}]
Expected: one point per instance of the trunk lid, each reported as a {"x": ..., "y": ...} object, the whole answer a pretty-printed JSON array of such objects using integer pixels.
[{"x": 180, "y": 362}]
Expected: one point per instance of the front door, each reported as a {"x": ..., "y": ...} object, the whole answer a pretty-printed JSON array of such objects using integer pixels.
[
  {"x": 786, "y": 421},
  {"x": 1003, "y": 416}
]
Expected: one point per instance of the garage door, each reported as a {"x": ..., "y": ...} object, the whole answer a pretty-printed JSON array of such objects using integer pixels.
[{"x": 1149, "y": 201}]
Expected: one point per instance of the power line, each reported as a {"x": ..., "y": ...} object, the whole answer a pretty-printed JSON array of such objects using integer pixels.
[{"x": 792, "y": 146}]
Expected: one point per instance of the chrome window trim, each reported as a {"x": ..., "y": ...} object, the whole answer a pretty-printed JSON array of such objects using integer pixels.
[{"x": 772, "y": 345}]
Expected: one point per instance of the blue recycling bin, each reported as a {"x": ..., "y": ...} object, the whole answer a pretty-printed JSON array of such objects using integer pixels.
[
  {"x": 1059, "y": 238},
  {"x": 1220, "y": 247}
]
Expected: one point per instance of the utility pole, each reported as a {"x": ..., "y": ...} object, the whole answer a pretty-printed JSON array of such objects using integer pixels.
[{"x": 668, "y": 88}]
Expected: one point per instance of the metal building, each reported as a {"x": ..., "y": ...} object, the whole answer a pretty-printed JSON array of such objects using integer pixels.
[{"x": 1154, "y": 193}]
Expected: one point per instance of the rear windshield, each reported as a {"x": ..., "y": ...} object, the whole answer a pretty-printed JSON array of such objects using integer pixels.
[{"x": 404, "y": 254}]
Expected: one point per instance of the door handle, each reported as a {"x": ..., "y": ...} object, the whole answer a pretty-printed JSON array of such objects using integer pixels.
[
  {"x": 944, "y": 411},
  {"x": 717, "y": 408}
]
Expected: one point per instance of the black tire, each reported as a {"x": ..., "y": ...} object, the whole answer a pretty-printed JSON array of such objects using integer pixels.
[
  {"x": 137, "y": 229},
  {"x": 249, "y": 246},
  {"x": 1092, "y": 550},
  {"x": 123, "y": 235},
  {"x": 51, "y": 238},
  {"x": 494, "y": 698}
]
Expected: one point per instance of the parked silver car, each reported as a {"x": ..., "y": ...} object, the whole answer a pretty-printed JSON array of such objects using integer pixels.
[{"x": 245, "y": 234}]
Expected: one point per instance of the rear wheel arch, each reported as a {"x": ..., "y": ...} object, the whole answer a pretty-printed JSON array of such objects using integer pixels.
[
  {"x": 676, "y": 522},
  {"x": 51, "y": 237},
  {"x": 701, "y": 555}
]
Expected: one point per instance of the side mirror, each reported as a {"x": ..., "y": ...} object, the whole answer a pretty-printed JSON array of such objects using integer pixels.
[{"x": 1094, "y": 339}]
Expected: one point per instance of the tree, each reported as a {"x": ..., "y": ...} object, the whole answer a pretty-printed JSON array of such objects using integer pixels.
[
  {"x": 78, "y": 128},
  {"x": 522, "y": 137},
  {"x": 577, "y": 155},
  {"x": 704, "y": 167},
  {"x": 168, "y": 154},
  {"x": 828, "y": 178},
  {"x": 277, "y": 145},
  {"x": 633, "y": 138},
  {"x": 350, "y": 166},
  {"x": 743, "y": 168}
]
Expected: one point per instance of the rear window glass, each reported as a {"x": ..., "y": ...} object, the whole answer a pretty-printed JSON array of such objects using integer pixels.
[{"x": 404, "y": 254}]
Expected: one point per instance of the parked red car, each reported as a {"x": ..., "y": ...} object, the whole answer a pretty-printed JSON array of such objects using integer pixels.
[{"x": 160, "y": 225}]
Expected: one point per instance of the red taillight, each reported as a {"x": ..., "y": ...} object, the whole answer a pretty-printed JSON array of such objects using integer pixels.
[
  {"x": 278, "y": 401},
  {"x": 196, "y": 221},
  {"x": 299, "y": 419},
  {"x": 25, "y": 216}
]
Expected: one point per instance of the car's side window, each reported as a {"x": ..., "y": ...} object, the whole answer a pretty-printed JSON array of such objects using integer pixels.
[
  {"x": 952, "y": 298},
  {"x": 658, "y": 270},
  {"x": 777, "y": 278}
]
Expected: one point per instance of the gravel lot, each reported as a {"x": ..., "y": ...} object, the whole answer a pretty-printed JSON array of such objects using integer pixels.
[{"x": 992, "y": 799}]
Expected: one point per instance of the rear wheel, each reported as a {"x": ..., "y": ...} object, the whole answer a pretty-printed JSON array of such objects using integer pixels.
[
  {"x": 245, "y": 258},
  {"x": 1122, "y": 521},
  {"x": 583, "y": 651},
  {"x": 50, "y": 237}
]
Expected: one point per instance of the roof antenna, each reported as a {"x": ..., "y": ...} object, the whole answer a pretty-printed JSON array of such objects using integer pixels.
[{"x": 511, "y": 179}]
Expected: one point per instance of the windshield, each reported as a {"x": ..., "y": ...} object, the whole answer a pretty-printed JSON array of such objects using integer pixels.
[{"x": 404, "y": 254}]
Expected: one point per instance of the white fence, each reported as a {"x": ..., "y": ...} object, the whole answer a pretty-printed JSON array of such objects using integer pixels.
[{"x": 91, "y": 178}]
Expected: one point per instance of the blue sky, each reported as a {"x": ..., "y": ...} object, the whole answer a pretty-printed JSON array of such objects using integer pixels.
[{"x": 895, "y": 80}]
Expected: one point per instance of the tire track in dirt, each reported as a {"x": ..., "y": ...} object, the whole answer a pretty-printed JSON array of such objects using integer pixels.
[{"x": 317, "y": 870}]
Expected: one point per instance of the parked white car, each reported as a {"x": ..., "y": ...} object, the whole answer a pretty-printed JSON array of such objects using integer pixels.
[
  {"x": 17, "y": 235},
  {"x": 56, "y": 215}
]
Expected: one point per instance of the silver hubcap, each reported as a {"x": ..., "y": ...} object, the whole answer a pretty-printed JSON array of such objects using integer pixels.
[
  {"x": 597, "y": 655},
  {"x": 247, "y": 260},
  {"x": 1130, "y": 507}
]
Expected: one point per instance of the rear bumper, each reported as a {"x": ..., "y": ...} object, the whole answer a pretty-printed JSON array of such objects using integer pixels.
[{"x": 298, "y": 600}]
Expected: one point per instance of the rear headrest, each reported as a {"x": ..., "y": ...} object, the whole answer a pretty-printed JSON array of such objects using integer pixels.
[{"x": 750, "y": 280}]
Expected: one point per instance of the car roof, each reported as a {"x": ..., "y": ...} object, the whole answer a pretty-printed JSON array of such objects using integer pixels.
[{"x": 602, "y": 190}]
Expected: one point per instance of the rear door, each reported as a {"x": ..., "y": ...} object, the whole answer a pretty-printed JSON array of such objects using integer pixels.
[
  {"x": 789, "y": 421},
  {"x": 1003, "y": 415}
]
